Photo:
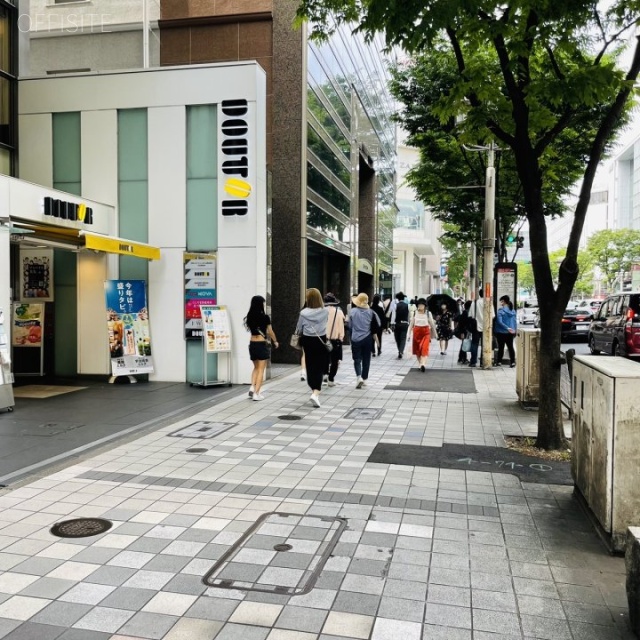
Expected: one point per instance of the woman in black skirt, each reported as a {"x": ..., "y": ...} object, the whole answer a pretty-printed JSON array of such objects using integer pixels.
[{"x": 259, "y": 324}]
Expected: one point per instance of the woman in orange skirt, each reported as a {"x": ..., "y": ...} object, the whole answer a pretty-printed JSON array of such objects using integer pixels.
[{"x": 424, "y": 328}]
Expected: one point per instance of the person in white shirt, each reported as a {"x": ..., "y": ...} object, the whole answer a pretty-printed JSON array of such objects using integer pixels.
[
  {"x": 476, "y": 312},
  {"x": 424, "y": 329}
]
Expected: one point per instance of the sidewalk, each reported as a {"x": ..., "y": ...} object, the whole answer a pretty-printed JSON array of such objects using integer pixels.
[{"x": 428, "y": 554}]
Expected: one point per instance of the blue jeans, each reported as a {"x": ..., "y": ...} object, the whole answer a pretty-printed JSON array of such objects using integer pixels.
[
  {"x": 361, "y": 353},
  {"x": 476, "y": 342}
]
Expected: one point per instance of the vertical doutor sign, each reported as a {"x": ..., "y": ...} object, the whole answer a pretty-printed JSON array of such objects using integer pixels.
[{"x": 235, "y": 178}]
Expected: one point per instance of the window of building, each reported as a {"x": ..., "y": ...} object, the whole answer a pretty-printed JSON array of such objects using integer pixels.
[{"x": 8, "y": 83}]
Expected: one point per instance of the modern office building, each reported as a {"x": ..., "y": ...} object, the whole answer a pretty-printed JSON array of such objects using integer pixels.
[
  {"x": 330, "y": 144},
  {"x": 8, "y": 85},
  {"x": 82, "y": 36},
  {"x": 416, "y": 247},
  {"x": 624, "y": 186}
]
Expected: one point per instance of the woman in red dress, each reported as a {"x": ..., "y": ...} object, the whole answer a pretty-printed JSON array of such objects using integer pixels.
[{"x": 424, "y": 328}]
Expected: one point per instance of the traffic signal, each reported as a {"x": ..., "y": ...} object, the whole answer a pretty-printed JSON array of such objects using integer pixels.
[
  {"x": 520, "y": 242},
  {"x": 511, "y": 239}
]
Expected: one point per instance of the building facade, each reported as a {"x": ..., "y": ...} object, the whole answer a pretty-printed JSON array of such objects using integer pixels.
[
  {"x": 178, "y": 155},
  {"x": 8, "y": 85},
  {"x": 417, "y": 253},
  {"x": 330, "y": 144}
]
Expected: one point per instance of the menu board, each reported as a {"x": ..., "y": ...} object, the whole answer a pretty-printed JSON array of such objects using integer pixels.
[
  {"x": 199, "y": 290},
  {"x": 217, "y": 329}
]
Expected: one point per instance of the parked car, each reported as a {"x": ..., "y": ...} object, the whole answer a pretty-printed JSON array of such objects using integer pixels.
[
  {"x": 615, "y": 328},
  {"x": 527, "y": 312}
]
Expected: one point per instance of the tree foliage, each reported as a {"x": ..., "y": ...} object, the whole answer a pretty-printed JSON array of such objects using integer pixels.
[
  {"x": 613, "y": 252},
  {"x": 458, "y": 257},
  {"x": 531, "y": 74}
]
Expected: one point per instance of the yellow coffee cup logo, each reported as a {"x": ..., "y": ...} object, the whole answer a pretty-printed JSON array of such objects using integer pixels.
[{"x": 237, "y": 188}]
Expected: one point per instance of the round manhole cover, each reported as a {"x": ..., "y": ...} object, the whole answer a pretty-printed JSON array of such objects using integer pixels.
[
  {"x": 282, "y": 547},
  {"x": 81, "y": 528},
  {"x": 197, "y": 450},
  {"x": 290, "y": 417}
]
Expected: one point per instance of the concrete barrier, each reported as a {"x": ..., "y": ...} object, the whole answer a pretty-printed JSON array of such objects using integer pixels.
[{"x": 632, "y": 561}]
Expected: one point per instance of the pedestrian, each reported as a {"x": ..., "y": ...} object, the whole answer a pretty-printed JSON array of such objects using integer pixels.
[
  {"x": 335, "y": 333},
  {"x": 506, "y": 326},
  {"x": 476, "y": 311},
  {"x": 258, "y": 323},
  {"x": 424, "y": 328},
  {"x": 378, "y": 308},
  {"x": 400, "y": 322},
  {"x": 386, "y": 303},
  {"x": 364, "y": 323},
  {"x": 312, "y": 327},
  {"x": 462, "y": 327},
  {"x": 444, "y": 322}
]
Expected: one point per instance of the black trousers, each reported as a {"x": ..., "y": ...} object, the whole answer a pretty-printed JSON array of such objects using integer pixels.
[
  {"x": 505, "y": 339},
  {"x": 379, "y": 334},
  {"x": 400, "y": 334},
  {"x": 316, "y": 358},
  {"x": 333, "y": 362}
]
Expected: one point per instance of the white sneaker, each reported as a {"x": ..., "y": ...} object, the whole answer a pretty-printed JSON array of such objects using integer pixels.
[
  {"x": 359, "y": 383},
  {"x": 315, "y": 400},
  {"x": 303, "y": 377},
  {"x": 364, "y": 383},
  {"x": 325, "y": 379},
  {"x": 251, "y": 392},
  {"x": 257, "y": 397},
  {"x": 331, "y": 383}
]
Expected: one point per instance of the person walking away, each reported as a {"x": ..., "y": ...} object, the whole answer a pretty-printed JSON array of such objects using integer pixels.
[
  {"x": 386, "y": 303},
  {"x": 378, "y": 308},
  {"x": 258, "y": 323},
  {"x": 335, "y": 333},
  {"x": 364, "y": 324},
  {"x": 424, "y": 328},
  {"x": 476, "y": 311},
  {"x": 444, "y": 322},
  {"x": 312, "y": 326},
  {"x": 506, "y": 327},
  {"x": 400, "y": 323},
  {"x": 462, "y": 326}
]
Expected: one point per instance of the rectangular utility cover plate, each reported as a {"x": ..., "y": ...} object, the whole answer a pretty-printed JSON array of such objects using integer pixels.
[{"x": 281, "y": 553}]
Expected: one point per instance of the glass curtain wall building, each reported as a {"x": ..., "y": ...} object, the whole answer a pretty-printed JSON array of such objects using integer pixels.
[
  {"x": 8, "y": 83},
  {"x": 351, "y": 146}
]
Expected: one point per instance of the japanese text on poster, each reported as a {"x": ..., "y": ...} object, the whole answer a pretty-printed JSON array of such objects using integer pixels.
[
  {"x": 128, "y": 322},
  {"x": 28, "y": 324},
  {"x": 217, "y": 331}
]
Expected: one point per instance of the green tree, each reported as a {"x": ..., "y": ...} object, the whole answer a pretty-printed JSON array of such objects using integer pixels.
[
  {"x": 525, "y": 278},
  {"x": 613, "y": 252},
  {"x": 530, "y": 74},
  {"x": 458, "y": 257}
]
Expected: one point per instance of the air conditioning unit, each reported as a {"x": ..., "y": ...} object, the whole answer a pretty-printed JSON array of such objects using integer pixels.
[
  {"x": 606, "y": 442},
  {"x": 527, "y": 375}
]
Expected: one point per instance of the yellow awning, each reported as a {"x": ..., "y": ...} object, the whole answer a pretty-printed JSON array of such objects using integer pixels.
[{"x": 111, "y": 244}]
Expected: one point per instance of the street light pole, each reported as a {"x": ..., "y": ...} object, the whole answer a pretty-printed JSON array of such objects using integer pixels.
[{"x": 488, "y": 246}]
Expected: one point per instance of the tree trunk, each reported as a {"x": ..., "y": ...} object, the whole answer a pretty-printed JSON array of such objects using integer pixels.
[{"x": 550, "y": 424}]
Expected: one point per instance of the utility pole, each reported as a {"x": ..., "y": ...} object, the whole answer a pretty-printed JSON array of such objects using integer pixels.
[{"x": 488, "y": 246}]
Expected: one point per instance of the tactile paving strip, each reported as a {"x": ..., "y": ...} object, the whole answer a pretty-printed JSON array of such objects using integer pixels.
[
  {"x": 281, "y": 553},
  {"x": 202, "y": 430}
]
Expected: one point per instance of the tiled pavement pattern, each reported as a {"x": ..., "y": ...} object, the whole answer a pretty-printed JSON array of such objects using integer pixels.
[{"x": 506, "y": 561}]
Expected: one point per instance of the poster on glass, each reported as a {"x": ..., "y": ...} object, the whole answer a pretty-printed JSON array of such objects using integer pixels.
[
  {"x": 128, "y": 323},
  {"x": 36, "y": 275}
]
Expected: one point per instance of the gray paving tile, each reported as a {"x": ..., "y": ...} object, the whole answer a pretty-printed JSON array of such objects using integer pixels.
[
  {"x": 148, "y": 625},
  {"x": 62, "y": 614},
  {"x": 37, "y": 566},
  {"x": 114, "y": 576},
  {"x": 401, "y": 609},
  {"x": 443, "y": 594},
  {"x": 103, "y": 619},
  {"x": 167, "y": 562},
  {"x": 301, "y": 619},
  {"x": 96, "y": 555},
  {"x": 438, "y": 632},
  {"x": 448, "y": 616},
  {"x": 544, "y": 607},
  {"x": 242, "y": 632},
  {"x": 83, "y": 634},
  {"x": 545, "y": 628},
  {"x": 149, "y": 545},
  {"x": 495, "y": 622},
  {"x": 360, "y": 603},
  {"x": 7, "y": 626},
  {"x": 212, "y": 609},
  {"x": 128, "y": 598},
  {"x": 493, "y": 600},
  {"x": 186, "y": 584},
  {"x": 33, "y": 631},
  {"x": 589, "y": 613},
  {"x": 50, "y": 588}
]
